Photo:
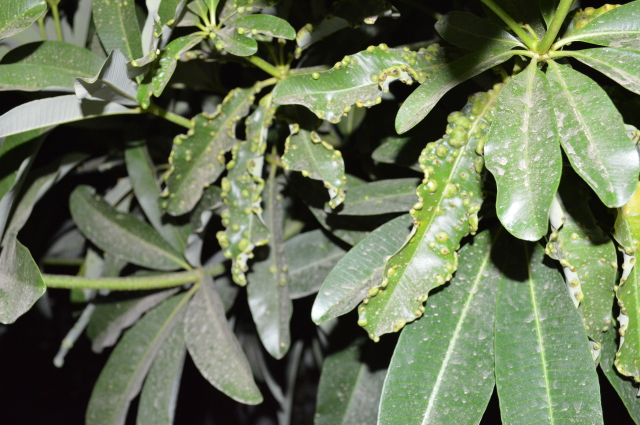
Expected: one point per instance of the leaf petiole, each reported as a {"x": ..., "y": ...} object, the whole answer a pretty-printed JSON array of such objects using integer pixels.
[{"x": 515, "y": 27}]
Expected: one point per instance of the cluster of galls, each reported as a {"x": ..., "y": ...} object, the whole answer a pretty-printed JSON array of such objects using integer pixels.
[{"x": 583, "y": 16}]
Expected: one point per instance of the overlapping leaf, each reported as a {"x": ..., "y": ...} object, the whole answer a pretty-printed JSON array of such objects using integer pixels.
[
  {"x": 401, "y": 151},
  {"x": 442, "y": 368},
  {"x": 235, "y": 43},
  {"x": 264, "y": 24},
  {"x": 621, "y": 65},
  {"x": 197, "y": 158},
  {"x": 446, "y": 211},
  {"x": 111, "y": 84},
  {"x": 523, "y": 154},
  {"x": 380, "y": 197},
  {"x": 359, "y": 80},
  {"x": 16, "y": 16},
  {"x": 117, "y": 27},
  {"x": 470, "y": 32}
]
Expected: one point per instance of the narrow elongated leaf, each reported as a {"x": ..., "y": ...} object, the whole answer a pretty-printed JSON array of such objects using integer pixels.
[
  {"x": 306, "y": 152},
  {"x": 17, "y": 16},
  {"x": 350, "y": 280},
  {"x": 401, "y": 151},
  {"x": 121, "y": 234},
  {"x": 310, "y": 257},
  {"x": 215, "y": 350},
  {"x": 264, "y": 24},
  {"x": 442, "y": 368},
  {"x": 122, "y": 376},
  {"x": 424, "y": 98},
  {"x": 117, "y": 27},
  {"x": 40, "y": 67},
  {"x": 593, "y": 135},
  {"x": 523, "y": 154},
  {"x": 111, "y": 84},
  {"x": 197, "y": 158},
  {"x": 310, "y": 34},
  {"x": 43, "y": 113},
  {"x": 169, "y": 10},
  {"x": 470, "y": 32},
  {"x": 543, "y": 366},
  {"x": 359, "y": 79},
  {"x": 446, "y": 210},
  {"x": 619, "y": 27},
  {"x": 380, "y": 197},
  {"x": 349, "y": 390},
  {"x": 21, "y": 284},
  {"x": 621, "y": 65}
]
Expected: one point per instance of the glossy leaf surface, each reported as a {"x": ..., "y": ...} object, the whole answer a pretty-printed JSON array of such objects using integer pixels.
[
  {"x": 380, "y": 197},
  {"x": 470, "y": 32},
  {"x": 16, "y": 16},
  {"x": 117, "y": 27},
  {"x": 621, "y": 65},
  {"x": 235, "y": 43},
  {"x": 264, "y": 24}
]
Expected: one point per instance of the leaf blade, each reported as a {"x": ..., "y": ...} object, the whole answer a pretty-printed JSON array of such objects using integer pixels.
[
  {"x": 619, "y": 27},
  {"x": 468, "y": 31},
  {"x": 621, "y": 65},
  {"x": 17, "y": 16},
  {"x": 117, "y": 27}
]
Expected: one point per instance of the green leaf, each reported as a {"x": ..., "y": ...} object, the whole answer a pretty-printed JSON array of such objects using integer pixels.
[
  {"x": 310, "y": 256},
  {"x": 359, "y": 79},
  {"x": 543, "y": 366},
  {"x": 37, "y": 66},
  {"x": 160, "y": 391},
  {"x": 111, "y": 84},
  {"x": 548, "y": 9},
  {"x": 619, "y": 27},
  {"x": 350, "y": 280},
  {"x": 380, "y": 197},
  {"x": 234, "y": 43},
  {"x": 621, "y": 65},
  {"x": 470, "y": 32},
  {"x": 523, "y": 12},
  {"x": 593, "y": 135},
  {"x": 523, "y": 154},
  {"x": 214, "y": 348},
  {"x": 197, "y": 158},
  {"x": 121, "y": 234},
  {"x": 17, "y": 16},
  {"x": 306, "y": 152},
  {"x": 310, "y": 34},
  {"x": 264, "y": 24},
  {"x": 122, "y": 376},
  {"x": 117, "y": 27},
  {"x": 442, "y": 367},
  {"x": 169, "y": 10},
  {"x": 446, "y": 210},
  {"x": 352, "y": 122},
  {"x": 401, "y": 151},
  {"x": 349, "y": 389},
  {"x": 424, "y": 98},
  {"x": 50, "y": 111},
  {"x": 21, "y": 284}
]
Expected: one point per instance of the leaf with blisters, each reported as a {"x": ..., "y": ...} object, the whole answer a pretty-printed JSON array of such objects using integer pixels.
[
  {"x": 122, "y": 376},
  {"x": 593, "y": 135},
  {"x": 619, "y": 27},
  {"x": 468, "y": 31},
  {"x": 169, "y": 10},
  {"x": 197, "y": 158},
  {"x": 359, "y": 79},
  {"x": 543, "y": 364},
  {"x": 17, "y": 16},
  {"x": 426, "y": 96},
  {"x": 111, "y": 84},
  {"x": 442, "y": 367},
  {"x": 117, "y": 26},
  {"x": 449, "y": 199},
  {"x": 37, "y": 66},
  {"x": 523, "y": 154},
  {"x": 237, "y": 44},
  {"x": 121, "y": 234},
  {"x": 621, "y": 65},
  {"x": 215, "y": 349},
  {"x": 264, "y": 24},
  {"x": 306, "y": 152},
  {"x": 349, "y": 281},
  {"x": 234, "y": 9},
  {"x": 380, "y": 197}
]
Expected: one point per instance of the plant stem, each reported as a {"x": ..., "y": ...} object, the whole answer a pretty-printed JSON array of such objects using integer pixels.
[
  {"x": 169, "y": 116},
  {"x": 132, "y": 283},
  {"x": 56, "y": 19},
  {"x": 265, "y": 66},
  {"x": 515, "y": 27},
  {"x": 43, "y": 33},
  {"x": 554, "y": 27}
]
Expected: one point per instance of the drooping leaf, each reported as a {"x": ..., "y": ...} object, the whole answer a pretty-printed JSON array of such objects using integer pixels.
[
  {"x": 121, "y": 234},
  {"x": 349, "y": 389},
  {"x": 470, "y": 32},
  {"x": 264, "y": 24},
  {"x": 215, "y": 349},
  {"x": 197, "y": 158},
  {"x": 424, "y": 98},
  {"x": 38, "y": 66},
  {"x": 306, "y": 152},
  {"x": 543, "y": 365},
  {"x": 50, "y": 111},
  {"x": 523, "y": 154},
  {"x": 117, "y": 27},
  {"x": 359, "y": 80},
  {"x": 310, "y": 256},
  {"x": 442, "y": 368},
  {"x": 17, "y": 16},
  {"x": 449, "y": 199},
  {"x": 237, "y": 44},
  {"x": 380, "y": 197},
  {"x": 121, "y": 378},
  {"x": 593, "y": 135},
  {"x": 621, "y": 65},
  {"x": 352, "y": 277},
  {"x": 111, "y": 84},
  {"x": 21, "y": 284}
]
